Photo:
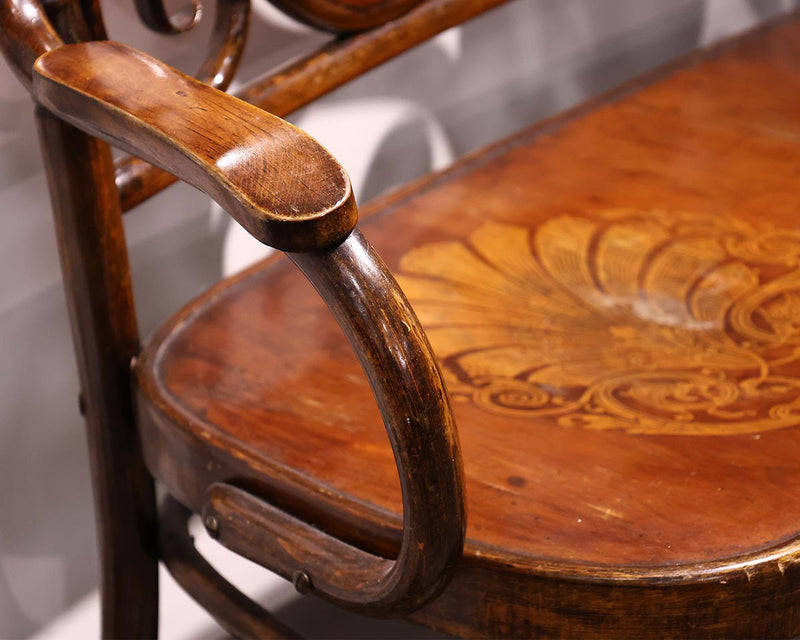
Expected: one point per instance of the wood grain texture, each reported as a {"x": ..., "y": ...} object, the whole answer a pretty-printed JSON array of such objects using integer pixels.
[
  {"x": 228, "y": 38},
  {"x": 413, "y": 404},
  {"x": 631, "y": 268},
  {"x": 301, "y": 81},
  {"x": 276, "y": 181},
  {"x": 100, "y": 300}
]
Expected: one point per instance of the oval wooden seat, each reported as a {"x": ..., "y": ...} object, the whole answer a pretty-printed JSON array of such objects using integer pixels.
[{"x": 614, "y": 298}]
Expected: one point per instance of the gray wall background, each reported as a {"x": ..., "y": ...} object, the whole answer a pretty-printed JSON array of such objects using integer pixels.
[{"x": 511, "y": 67}]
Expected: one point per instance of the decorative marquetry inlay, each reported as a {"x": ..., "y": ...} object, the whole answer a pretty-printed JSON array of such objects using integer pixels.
[{"x": 651, "y": 322}]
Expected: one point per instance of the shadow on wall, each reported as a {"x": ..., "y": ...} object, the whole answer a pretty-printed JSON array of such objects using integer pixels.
[{"x": 525, "y": 62}]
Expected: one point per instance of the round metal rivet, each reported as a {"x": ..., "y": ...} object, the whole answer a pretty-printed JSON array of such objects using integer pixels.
[
  {"x": 212, "y": 525},
  {"x": 302, "y": 582}
]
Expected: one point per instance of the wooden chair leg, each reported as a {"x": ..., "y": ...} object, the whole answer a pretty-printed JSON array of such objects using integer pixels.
[
  {"x": 97, "y": 282},
  {"x": 234, "y": 611}
]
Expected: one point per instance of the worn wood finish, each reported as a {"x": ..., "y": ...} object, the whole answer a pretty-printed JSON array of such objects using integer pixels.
[
  {"x": 231, "y": 24},
  {"x": 407, "y": 385},
  {"x": 612, "y": 298},
  {"x": 413, "y": 403},
  {"x": 275, "y": 180},
  {"x": 235, "y": 612},
  {"x": 755, "y": 600},
  {"x": 97, "y": 281},
  {"x": 346, "y": 15},
  {"x": 300, "y": 82}
]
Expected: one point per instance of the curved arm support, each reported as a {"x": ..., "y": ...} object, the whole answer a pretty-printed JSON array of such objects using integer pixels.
[
  {"x": 290, "y": 193},
  {"x": 405, "y": 378},
  {"x": 276, "y": 181}
]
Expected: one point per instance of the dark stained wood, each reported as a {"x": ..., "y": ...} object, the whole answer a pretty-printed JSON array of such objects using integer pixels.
[
  {"x": 306, "y": 79},
  {"x": 25, "y": 34},
  {"x": 66, "y": 17},
  {"x": 303, "y": 80},
  {"x": 155, "y": 15},
  {"x": 346, "y": 15},
  {"x": 93, "y": 17},
  {"x": 407, "y": 384},
  {"x": 235, "y": 612},
  {"x": 97, "y": 281},
  {"x": 756, "y": 600},
  {"x": 275, "y": 180},
  {"x": 350, "y": 278},
  {"x": 612, "y": 299},
  {"x": 231, "y": 24}
]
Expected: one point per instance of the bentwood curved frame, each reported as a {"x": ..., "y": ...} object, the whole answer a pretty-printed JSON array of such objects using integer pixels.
[{"x": 77, "y": 84}]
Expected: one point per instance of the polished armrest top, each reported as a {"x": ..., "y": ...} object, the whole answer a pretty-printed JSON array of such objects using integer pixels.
[
  {"x": 275, "y": 180},
  {"x": 290, "y": 193}
]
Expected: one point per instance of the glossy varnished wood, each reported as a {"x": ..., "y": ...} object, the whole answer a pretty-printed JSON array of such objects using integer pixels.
[
  {"x": 413, "y": 403},
  {"x": 97, "y": 280},
  {"x": 225, "y": 151},
  {"x": 276, "y": 181},
  {"x": 301, "y": 81},
  {"x": 346, "y": 15},
  {"x": 156, "y": 16},
  {"x": 610, "y": 296},
  {"x": 231, "y": 24},
  {"x": 26, "y": 34}
]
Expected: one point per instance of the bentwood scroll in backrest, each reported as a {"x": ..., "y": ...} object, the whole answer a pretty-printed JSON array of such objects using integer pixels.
[
  {"x": 343, "y": 16},
  {"x": 346, "y": 15},
  {"x": 377, "y": 30}
]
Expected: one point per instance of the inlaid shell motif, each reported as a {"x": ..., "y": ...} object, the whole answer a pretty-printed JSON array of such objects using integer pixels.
[{"x": 651, "y": 322}]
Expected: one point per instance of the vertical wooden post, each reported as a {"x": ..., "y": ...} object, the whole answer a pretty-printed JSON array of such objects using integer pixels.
[{"x": 97, "y": 280}]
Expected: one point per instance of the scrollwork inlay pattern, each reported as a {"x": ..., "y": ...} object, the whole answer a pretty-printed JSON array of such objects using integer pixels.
[{"x": 649, "y": 322}]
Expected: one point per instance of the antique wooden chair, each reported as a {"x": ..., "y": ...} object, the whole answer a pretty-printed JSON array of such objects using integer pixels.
[{"x": 613, "y": 298}]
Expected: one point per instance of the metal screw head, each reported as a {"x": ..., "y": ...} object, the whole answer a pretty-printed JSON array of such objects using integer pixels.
[
  {"x": 212, "y": 525},
  {"x": 302, "y": 582}
]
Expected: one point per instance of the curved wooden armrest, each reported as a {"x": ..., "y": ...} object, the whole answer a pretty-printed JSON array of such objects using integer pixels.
[
  {"x": 290, "y": 193},
  {"x": 276, "y": 181},
  {"x": 405, "y": 378}
]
